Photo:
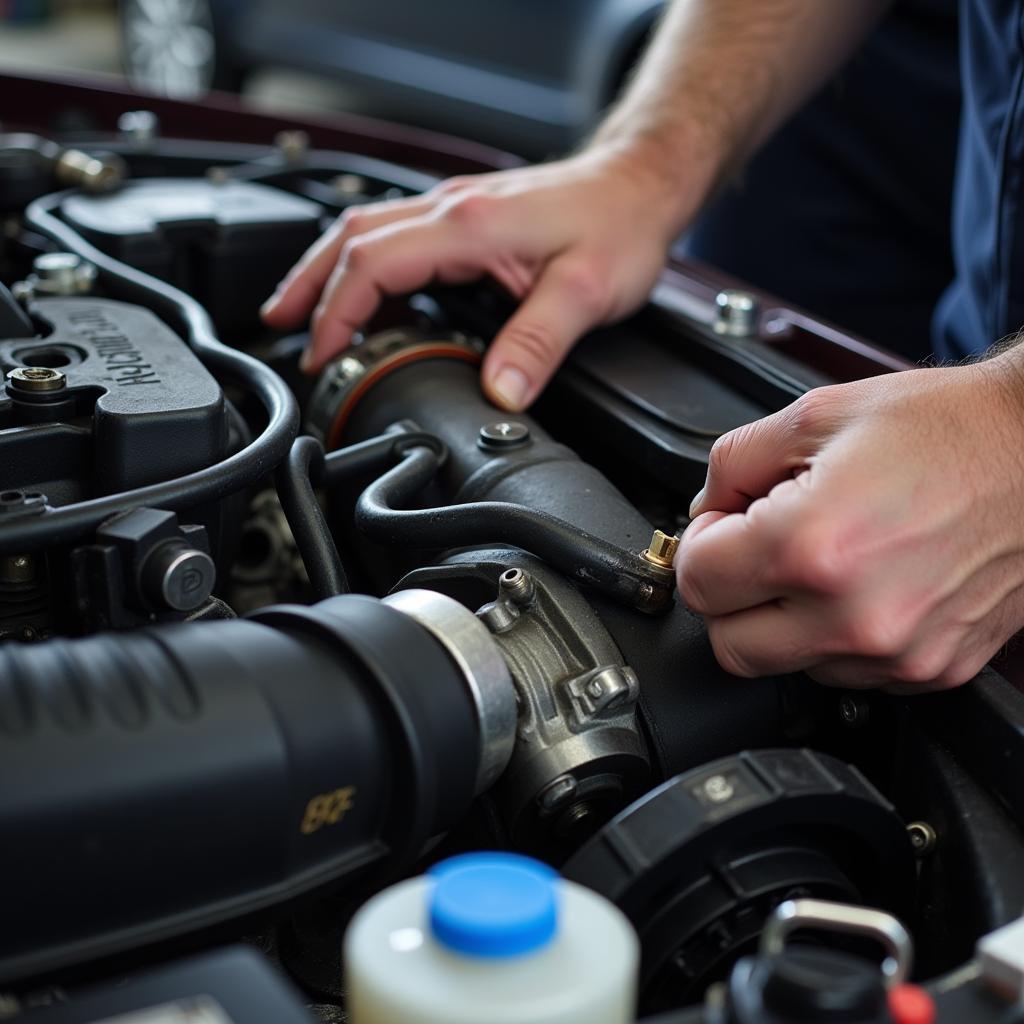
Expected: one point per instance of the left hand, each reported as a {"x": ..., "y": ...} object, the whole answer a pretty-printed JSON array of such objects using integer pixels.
[{"x": 871, "y": 533}]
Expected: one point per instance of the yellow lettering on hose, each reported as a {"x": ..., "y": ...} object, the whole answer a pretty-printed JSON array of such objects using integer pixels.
[{"x": 327, "y": 809}]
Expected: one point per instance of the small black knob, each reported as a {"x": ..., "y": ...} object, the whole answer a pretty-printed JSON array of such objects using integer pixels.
[
  {"x": 825, "y": 986},
  {"x": 177, "y": 576}
]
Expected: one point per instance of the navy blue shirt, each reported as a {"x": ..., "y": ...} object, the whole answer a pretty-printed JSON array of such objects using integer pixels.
[
  {"x": 986, "y": 301},
  {"x": 846, "y": 211}
]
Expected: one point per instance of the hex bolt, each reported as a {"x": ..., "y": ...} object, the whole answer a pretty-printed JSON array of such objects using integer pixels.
[
  {"x": 293, "y": 145},
  {"x": 736, "y": 313},
  {"x": 922, "y": 837},
  {"x": 17, "y": 569},
  {"x": 661, "y": 550},
  {"x": 503, "y": 435},
  {"x": 718, "y": 789},
  {"x": 350, "y": 185},
  {"x": 218, "y": 175},
  {"x": 36, "y": 379},
  {"x": 62, "y": 273},
  {"x": 139, "y": 126}
]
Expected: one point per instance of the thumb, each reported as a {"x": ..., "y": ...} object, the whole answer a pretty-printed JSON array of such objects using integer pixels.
[
  {"x": 748, "y": 462},
  {"x": 565, "y": 301}
]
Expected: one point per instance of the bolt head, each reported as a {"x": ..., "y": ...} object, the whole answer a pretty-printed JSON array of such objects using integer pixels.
[
  {"x": 36, "y": 378},
  {"x": 63, "y": 273},
  {"x": 503, "y": 434},
  {"x": 718, "y": 789},
  {"x": 141, "y": 126},
  {"x": 736, "y": 313},
  {"x": 922, "y": 837},
  {"x": 349, "y": 184}
]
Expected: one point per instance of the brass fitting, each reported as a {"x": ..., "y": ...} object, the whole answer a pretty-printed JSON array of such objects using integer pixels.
[{"x": 661, "y": 550}]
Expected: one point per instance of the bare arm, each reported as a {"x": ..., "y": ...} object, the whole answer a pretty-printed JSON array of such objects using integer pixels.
[{"x": 721, "y": 76}]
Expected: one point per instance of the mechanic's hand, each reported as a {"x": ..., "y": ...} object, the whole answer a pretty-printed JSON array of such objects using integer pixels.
[
  {"x": 580, "y": 241},
  {"x": 871, "y": 533}
]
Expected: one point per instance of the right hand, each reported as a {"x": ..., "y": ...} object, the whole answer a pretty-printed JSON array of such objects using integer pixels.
[{"x": 580, "y": 242}]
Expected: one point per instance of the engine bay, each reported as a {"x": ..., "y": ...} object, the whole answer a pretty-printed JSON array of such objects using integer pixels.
[{"x": 269, "y": 644}]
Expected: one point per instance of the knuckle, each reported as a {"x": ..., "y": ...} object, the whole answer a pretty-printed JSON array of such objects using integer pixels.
[
  {"x": 812, "y": 411},
  {"x": 585, "y": 287},
  {"x": 452, "y": 185},
  {"x": 813, "y": 559},
  {"x": 471, "y": 210},
  {"x": 921, "y": 667},
  {"x": 876, "y": 634},
  {"x": 356, "y": 254},
  {"x": 352, "y": 221},
  {"x": 723, "y": 450}
]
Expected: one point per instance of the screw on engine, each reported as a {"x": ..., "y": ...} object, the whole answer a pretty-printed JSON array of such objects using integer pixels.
[
  {"x": 293, "y": 145},
  {"x": 736, "y": 313},
  {"x": 36, "y": 378},
  {"x": 503, "y": 435},
  {"x": 141, "y": 127},
  {"x": 922, "y": 837},
  {"x": 854, "y": 712},
  {"x": 61, "y": 273},
  {"x": 718, "y": 789},
  {"x": 350, "y": 186}
]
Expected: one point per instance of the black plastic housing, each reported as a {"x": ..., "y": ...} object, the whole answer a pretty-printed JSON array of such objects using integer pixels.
[
  {"x": 138, "y": 406},
  {"x": 226, "y": 243}
]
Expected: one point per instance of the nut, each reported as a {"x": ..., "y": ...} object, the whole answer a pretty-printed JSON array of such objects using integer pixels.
[{"x": 661, "y": 550}]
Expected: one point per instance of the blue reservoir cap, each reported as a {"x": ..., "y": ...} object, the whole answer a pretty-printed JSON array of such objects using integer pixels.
[{"x": 493, "y": 904}]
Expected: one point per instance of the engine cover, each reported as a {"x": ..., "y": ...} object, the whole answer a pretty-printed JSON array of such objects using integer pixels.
[
  {"x": 136, "y": 406},
  {"x": 223, "y": 242}
]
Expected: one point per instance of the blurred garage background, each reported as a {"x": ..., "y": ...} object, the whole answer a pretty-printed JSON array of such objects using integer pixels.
[
  {"x": 845, "y": 211},
  {"x": 526, "y": 75}
]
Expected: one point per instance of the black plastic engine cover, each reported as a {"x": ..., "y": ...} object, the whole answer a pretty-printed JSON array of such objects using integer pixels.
[
  {"x": 225, "y": 243},
  {"x": 138, "y": 406}
]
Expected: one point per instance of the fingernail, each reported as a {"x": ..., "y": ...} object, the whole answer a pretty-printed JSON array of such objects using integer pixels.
[
  {"x": 268, "y": 306},
  {"x": 695, "y": 504},
  {"x": 306, "y": 360},
  {"x": 511, "y": 386}
]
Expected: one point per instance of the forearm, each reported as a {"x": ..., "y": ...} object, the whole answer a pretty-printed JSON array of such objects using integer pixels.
[{"x": 719, "y": 78}]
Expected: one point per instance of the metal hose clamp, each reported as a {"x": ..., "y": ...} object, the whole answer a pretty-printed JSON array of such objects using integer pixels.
[{"x": 471, "y": 646}]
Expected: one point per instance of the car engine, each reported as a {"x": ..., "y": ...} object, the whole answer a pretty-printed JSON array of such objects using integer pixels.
[{"x": 269, "y": 644}]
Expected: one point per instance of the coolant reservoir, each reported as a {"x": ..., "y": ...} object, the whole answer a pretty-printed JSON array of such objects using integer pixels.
[{"x": 490, "y": 938}]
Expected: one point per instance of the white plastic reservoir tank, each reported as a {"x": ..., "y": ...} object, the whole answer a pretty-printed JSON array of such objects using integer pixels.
[{"x": 490, "y": 938}]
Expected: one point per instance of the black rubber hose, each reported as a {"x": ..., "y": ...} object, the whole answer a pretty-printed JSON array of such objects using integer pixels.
[
  {"x": 234, "y": 473},
  {"x": 305, "y": 467},
  {"x": 580, "y": 555},
  {"x": 312, "y": 536}
]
